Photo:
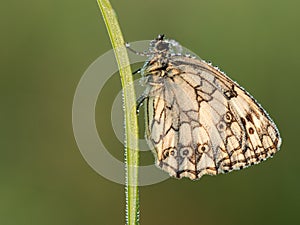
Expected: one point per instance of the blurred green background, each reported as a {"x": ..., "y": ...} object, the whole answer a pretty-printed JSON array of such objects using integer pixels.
[{"x": 45, "y": 48}]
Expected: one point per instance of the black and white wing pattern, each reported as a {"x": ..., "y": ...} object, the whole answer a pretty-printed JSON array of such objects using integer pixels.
[{"x": 199, "y": 121}]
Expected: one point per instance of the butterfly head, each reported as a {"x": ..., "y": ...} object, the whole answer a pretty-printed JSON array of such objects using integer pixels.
[{"x": 161, "y": 45}]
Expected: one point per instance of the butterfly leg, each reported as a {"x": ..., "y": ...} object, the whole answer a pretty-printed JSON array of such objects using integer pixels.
[
  {"x": 137, "y": 71},
  {"x": 140, "y": 101}
]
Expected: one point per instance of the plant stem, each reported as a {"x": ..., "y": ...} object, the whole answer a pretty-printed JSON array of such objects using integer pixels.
[{"x": 131, "y": 125}]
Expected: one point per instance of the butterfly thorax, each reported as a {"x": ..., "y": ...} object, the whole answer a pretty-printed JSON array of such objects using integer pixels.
[{"x": 159, "y": 66}]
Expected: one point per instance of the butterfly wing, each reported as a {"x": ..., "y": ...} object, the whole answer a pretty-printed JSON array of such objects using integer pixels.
[{"x": 200, "y": 122}]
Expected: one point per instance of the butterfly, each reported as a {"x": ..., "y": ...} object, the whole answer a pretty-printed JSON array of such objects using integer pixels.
[{"x": 198, "y": 120}]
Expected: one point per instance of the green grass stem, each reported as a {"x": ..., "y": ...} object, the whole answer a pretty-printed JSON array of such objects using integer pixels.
[{"x": 129, "y": 100}]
